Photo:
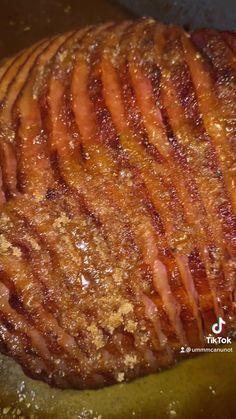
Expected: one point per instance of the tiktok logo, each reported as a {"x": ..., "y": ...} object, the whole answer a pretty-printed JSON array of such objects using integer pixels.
[
  {"x": 213, "y": 340},
  {"x": 217, "y": 327}
]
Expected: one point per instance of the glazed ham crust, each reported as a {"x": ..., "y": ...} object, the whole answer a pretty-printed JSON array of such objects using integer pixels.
[{"x": 118, "y": 200}]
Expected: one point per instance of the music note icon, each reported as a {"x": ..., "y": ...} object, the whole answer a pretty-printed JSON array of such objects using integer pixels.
[{"x": 217, "y": 327}]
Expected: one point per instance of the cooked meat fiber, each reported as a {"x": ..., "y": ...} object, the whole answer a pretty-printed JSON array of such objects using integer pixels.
[{"x": 118, "y": 200}]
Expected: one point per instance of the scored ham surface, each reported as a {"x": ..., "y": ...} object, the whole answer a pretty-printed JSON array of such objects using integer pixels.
[{"x": 118, "y": 200}]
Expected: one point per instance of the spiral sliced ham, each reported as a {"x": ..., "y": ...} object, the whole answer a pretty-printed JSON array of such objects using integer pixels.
[{"x": 118, "y": 200}]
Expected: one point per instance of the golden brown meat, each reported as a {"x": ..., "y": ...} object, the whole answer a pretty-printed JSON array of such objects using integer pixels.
[{"x": 118, "y": 200}]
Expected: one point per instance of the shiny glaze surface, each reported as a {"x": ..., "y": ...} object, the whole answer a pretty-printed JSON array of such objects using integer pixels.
[{"x": 118, "y": 228}]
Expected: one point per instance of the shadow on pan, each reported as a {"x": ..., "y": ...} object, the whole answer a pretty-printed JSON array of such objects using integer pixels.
[
  {"x": 220, "y": 14},
  {"x": 23, "y": 22}
]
